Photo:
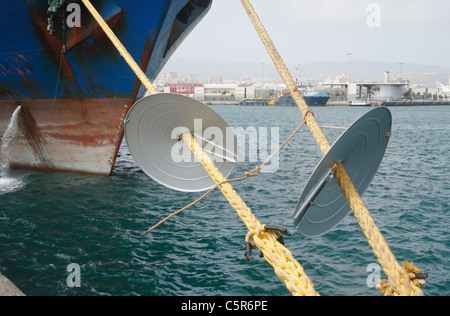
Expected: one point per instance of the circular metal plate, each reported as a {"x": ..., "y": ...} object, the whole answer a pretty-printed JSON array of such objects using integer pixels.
[
  {"x": 152, "y": 132},
  {"x": 361, "y": 148}
]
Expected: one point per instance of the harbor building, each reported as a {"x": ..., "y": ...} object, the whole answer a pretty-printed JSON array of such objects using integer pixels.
[
  {"x": 391, "y": 89},
  {"x": 187, "y": 89},
  {"x": 222, "y": 93},
  {"x": 443, "y": 91},
  {"x": 339, "y": 90}
]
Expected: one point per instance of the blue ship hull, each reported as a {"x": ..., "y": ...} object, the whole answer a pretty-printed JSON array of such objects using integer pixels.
[
  {"x": 311, "y": 100},
  {"x": 287, "y": 100},
  {"x": 74, "y": 88}
]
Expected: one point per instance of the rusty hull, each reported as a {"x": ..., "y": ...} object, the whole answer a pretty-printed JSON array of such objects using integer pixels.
[
  {"x": 65, "y": 134},
  {"x": 74, "y": 101}
]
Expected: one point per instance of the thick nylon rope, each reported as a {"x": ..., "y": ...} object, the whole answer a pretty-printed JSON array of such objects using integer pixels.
[
  {"x": 286, "y": 267},
  {"x": 399, "y": 278},
  {"x": 122, "y": 50}
]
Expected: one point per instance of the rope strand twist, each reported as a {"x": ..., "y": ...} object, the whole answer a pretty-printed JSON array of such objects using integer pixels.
[{"x": 398, "y": 277}]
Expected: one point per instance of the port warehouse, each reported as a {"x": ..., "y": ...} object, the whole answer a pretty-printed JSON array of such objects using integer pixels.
[
  {"x": 339, "y": 89},
  {"x": 223, "y": 92}
]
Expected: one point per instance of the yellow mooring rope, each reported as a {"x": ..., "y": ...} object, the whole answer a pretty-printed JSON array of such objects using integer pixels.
[
  {"x": 400, "y": 281},
  {"x": 122, "y": 50},
  {"x": 285, "y": 266}
]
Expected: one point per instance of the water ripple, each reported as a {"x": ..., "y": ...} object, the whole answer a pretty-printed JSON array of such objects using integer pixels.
[{"x": 49, "y": 220}]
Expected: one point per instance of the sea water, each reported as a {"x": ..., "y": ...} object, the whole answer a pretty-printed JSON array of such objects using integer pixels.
[{"x": 97, "y": 223}]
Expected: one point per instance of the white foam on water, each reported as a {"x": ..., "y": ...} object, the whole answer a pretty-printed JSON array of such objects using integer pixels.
[{"x": 8, "y": 185}]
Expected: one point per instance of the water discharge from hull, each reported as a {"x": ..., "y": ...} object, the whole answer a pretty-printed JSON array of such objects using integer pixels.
[{"x": 7, "y": 183}]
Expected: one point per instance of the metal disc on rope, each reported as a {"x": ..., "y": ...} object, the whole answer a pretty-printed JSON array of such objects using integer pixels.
[
  {"x": 361, "y": 148},
  {"x": 152, "y": 131}
]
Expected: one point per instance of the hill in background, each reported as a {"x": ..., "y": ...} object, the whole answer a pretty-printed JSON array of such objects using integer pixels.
[{"x": 319, "y": 71}]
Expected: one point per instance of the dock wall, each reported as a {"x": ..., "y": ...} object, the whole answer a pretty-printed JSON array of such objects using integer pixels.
[{"x": 7, "y": 288}]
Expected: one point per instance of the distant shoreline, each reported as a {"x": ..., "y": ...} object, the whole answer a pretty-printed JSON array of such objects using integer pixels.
[{"x": 345, "y": 103}]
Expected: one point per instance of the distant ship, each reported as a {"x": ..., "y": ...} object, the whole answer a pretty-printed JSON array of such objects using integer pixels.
[
  {"x": 319, "y": 99},
  {"x": 73, "y": 87},
  {"x": 312, "y": 99},
  {"x": 257, "y": 102}
]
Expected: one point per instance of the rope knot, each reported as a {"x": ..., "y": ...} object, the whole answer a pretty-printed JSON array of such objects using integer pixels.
[
  {"x": 308, "y": 112},
  {"x": 253, "y": 172},
  {"x": 257, "y": 232},
  {"x": 416, "y": 276}
]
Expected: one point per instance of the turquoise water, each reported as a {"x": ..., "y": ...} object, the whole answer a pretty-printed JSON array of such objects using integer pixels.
[{"x": 50, "y": 220}]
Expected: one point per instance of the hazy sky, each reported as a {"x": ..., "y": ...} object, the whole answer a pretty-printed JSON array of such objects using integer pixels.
[{"x": 410, "y": 31}]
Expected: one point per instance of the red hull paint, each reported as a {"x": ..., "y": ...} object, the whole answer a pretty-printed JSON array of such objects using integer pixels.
[
  {"x": 81, "y": 129},
  {"x": 67, "y": 135}
]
